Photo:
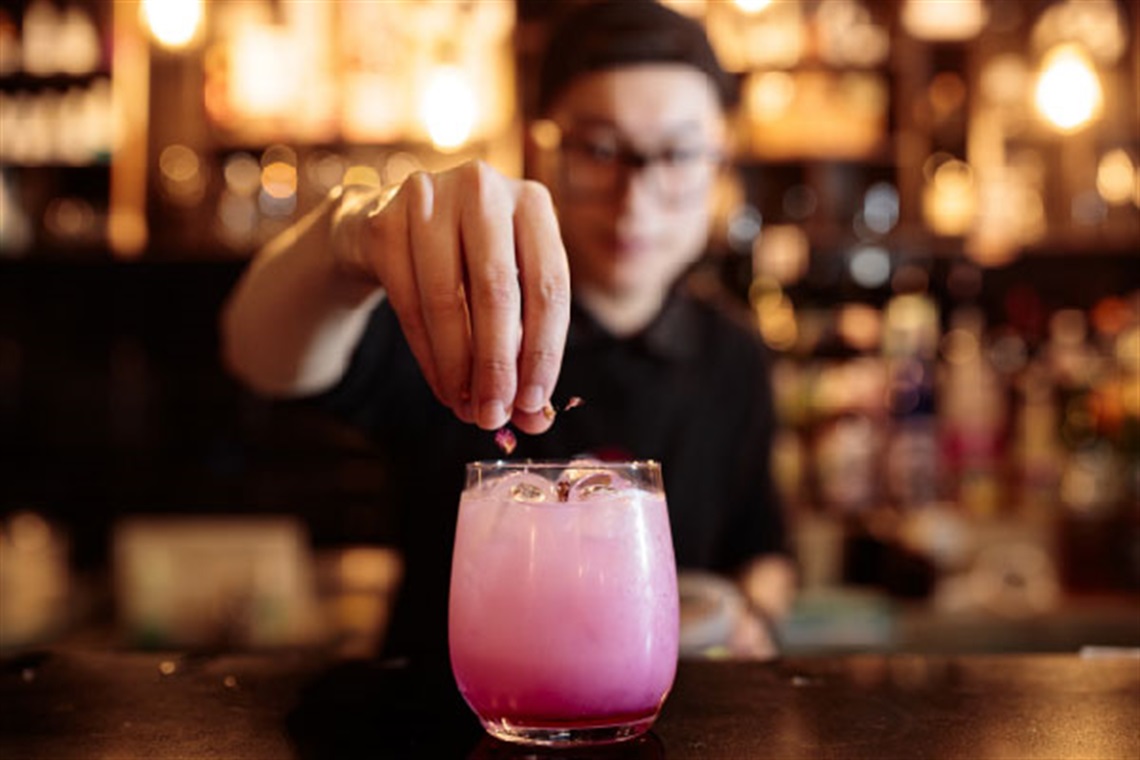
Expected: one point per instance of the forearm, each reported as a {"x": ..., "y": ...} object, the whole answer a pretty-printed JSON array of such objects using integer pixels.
[{"x": 293, "y": 320}]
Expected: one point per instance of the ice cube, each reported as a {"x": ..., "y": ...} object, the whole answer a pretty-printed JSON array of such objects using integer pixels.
[
  {"x": 593, "y": 485},
  {"x": 527, "y": 492},
  {"x": 522, "y": 487},
  {"x": 590, "y": 479}
]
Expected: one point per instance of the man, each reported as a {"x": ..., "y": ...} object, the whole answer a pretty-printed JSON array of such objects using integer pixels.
[{"x": 457, "y": 303}]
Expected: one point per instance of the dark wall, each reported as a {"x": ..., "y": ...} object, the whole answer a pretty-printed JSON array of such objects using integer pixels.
[{"x": 113, "y": 401}]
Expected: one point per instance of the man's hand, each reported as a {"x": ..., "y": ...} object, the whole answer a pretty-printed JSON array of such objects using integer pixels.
[{"x": 474, "y": 267}]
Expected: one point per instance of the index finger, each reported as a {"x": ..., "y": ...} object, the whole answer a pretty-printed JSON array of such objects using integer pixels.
[{"x": 545, "y": 281}]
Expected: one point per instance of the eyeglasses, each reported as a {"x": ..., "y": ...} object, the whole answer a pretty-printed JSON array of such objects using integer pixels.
[{"x": 600, "y": 169}]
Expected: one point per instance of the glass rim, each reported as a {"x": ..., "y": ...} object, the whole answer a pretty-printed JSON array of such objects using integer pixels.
[{"x": 550, "y": 464}]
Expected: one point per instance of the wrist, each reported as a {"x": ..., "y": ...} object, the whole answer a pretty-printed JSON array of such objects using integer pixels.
[
  {"x": 767, "y": 622},
  {"x": 353, "y": 206}
]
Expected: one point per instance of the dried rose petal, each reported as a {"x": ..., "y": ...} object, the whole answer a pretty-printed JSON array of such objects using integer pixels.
[
  {"x": 505, "y": 440},
  {"x": 548, "y": 412},
  {"x": 573, "y": 402}
]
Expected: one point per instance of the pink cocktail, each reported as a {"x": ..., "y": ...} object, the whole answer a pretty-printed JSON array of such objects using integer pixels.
[{"x": 563, "y": 621}]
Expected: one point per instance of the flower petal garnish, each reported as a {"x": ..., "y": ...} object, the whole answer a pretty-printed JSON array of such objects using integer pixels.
[{"x": 505, "y": 440}]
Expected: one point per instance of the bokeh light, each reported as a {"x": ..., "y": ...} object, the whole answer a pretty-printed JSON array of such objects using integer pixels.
[
  {"x": 448, "y": 108},
  {"x": 174, "y": 23},
  {"x": 752, "y": 6},
  {"x": 242, "y": 174},
  {"x": 949, "y": 199},
  {"x": 182, "y": 175},
  {"x": 1116, "y": 177},
  {"x": 1068, "y": 92},
  {"x": 870, "y": 266}
]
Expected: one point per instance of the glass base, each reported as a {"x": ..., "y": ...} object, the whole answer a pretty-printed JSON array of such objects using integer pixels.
[{"x": 581, "y": 734}]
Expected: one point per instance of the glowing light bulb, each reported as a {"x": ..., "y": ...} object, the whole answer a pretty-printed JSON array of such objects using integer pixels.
[
  {"x": 752, "y": 6},
  {"x": 1068, "y": 92},
  {"x": 944, "y": 19},
  {"x": 174, "y": 23},
  {"x": 448, "y": 108}
]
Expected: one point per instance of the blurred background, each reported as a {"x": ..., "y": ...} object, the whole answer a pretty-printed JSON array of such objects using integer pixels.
[{"x": 935, "y": 221}]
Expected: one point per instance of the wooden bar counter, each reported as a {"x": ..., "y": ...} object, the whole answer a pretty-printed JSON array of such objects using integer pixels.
[{"x": 112, "y": 705}]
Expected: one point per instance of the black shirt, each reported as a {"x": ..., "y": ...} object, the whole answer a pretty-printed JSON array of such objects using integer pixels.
[{"x": 692, "y": 391}]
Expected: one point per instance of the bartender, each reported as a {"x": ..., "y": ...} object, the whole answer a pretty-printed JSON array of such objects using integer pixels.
[{"x": 432, "y": 313}]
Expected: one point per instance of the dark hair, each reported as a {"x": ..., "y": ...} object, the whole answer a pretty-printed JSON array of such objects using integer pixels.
[{"x": 609, "y": 34}]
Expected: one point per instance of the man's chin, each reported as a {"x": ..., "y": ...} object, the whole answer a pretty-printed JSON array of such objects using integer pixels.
[
  {"x": 617, "y": 278},
  {"x": 621, "y": 282}
]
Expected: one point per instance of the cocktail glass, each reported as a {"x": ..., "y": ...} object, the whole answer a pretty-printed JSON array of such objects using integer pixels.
[{"x": 563, "y": 614}]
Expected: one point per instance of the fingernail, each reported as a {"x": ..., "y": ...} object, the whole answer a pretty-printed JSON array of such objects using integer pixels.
[
  {"x": 465, "y": 411},
  {"x": 492, "y": 414},
  {"x": 532, "y": 398}
]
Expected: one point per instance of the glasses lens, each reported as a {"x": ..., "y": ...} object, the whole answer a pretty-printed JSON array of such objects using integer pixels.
[
  {"x": 590, "y": 170},
  {"x": 681, "y": 176}
]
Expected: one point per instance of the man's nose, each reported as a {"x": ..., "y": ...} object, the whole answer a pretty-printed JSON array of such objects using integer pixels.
[{"x": 635, "y": 188}]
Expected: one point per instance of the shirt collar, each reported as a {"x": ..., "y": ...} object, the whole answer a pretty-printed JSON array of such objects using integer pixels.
[{"x": 672, "y": 334}]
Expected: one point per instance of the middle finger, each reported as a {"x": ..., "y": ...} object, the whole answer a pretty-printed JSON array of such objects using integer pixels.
[
  {"x": 439, "y": 277},
  {"x": 494, "y": 299}
]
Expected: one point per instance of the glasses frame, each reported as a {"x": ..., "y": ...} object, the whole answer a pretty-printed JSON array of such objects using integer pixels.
[{"x": 627, "y": 163}]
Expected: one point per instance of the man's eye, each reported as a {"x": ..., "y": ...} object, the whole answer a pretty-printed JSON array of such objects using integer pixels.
[
  {"x": 601, "y": 152},
  {"x": 676, "y": 156}
]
